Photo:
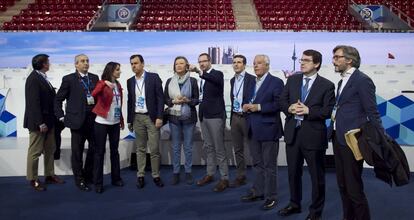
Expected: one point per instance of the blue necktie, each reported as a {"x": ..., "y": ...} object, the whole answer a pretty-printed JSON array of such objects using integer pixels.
[{"x": 305, "y": 90}]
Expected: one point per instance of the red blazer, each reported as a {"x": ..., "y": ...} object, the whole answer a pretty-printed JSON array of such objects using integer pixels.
[{"x": 103, "y": 95}]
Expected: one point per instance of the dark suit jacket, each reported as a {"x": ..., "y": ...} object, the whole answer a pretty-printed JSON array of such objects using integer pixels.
[
  {"x": 356, "y": 105},
  {"x": 212, "y": 105},
  {"x": 248, "y": 85},
  {"x": 39, "y": 102},
  {"x": 265, "y": 125},
  {"x": 195, "y": 99},
  {"x": 320, "y": 101},
  {"x": 72, "y": 91},
  {"x": 154, "y": 97}
]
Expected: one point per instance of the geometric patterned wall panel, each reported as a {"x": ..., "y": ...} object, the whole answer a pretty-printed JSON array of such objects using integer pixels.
[
  {"x": 7, "y": 125},
  {"x": 397, "y": 115},
  {"x": 7, "y": 120}
]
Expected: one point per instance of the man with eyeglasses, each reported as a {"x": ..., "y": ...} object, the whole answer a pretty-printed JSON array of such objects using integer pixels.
[
  {"x": 212, "y": 118},
  {"x": 307, "y": 101},
  {"x": 355, "y": 105}
]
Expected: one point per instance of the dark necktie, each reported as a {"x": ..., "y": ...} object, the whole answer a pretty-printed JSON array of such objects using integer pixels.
[{"x": 305, "y": 90}]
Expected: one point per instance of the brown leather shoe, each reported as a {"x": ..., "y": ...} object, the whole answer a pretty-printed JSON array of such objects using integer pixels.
[
  {"x": 54, "y": 180},
  {"x": 206, "y": 180},
  {"x": 37, "y": 185},
  {"x": 239, "y": 181},
  {"x": 221, "y": 186}
]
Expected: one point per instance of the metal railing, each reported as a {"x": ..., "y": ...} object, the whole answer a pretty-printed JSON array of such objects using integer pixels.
[
  {"x": 403, "y": 16},
  {"x": 98, "y": 14}
]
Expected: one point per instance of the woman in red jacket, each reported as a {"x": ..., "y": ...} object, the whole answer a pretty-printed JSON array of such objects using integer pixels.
[{"x": 108, "y": 122}]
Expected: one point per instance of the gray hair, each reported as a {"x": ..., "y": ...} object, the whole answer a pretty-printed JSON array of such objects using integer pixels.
[
  {"x": 350, "y": 53},
  {"x": 265, "y": 57},
  {"x": 79, "y": 55}
]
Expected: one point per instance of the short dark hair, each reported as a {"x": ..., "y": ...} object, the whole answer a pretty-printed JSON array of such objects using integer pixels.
[
  {"x": 141, "y": 59},
  {"x": 39, "y": 61},
  {"x": 350, "y": 53},
  {"x": 181, "y": 58},
  {"x": 241, "y": 56},
  {"x": 316, "y": 57},
  {"x": 109, "y": 70},
  {"x": 205, "y": 54}
]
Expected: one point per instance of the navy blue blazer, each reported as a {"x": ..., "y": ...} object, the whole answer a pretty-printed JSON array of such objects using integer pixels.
[
  {"x": 72, "y": 91},
  {"x": 265, "y": 125},
  {"x": 356, "y": 105},
  {"x": 212, "y": 105},
  {"x": 248, "y": 85},
  {"x": 320, "y": 101},
  {"x": 39, "y": 102},
  {"x": 154, "y": 97}
]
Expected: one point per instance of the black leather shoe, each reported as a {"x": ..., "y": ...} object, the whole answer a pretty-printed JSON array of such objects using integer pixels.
[
  {"x": 99, "y": 189},
  {"x": 313, "y": 217},
  {"x": 158, "y": 182},
  {"x": 140, "y": 182},
  {"x": 251, "y": 197},
  {"x": 83, "y": 187},
  {"x": 288, "y": 210},
  {"x": 118, "y": 183},
  {"x": 269, "y": 204},
  {"x": 37, "y": 185}
]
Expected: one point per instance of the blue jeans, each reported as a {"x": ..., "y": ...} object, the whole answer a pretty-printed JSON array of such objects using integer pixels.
[{"x": 177, "y": 132}]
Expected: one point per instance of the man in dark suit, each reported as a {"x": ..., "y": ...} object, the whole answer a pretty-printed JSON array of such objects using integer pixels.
[
  {"x": 145, "y": 114},
  {"x": 76, "y": 89},
  {"x": 39, "y": 119},
  {"x": 355, "y": 104},
  {"x": 307, "y": 101},
  {"x": 212, "y": 118},
  {"x": 264, "y": 130},
  {"x": 240, "y": 84}
]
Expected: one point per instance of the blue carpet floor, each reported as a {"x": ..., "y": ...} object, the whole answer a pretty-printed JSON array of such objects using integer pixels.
[{"x": 19, "y": 201}]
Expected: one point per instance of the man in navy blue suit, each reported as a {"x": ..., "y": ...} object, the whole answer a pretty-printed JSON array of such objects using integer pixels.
[
  {"x": 145, "y": 113},
  {"x": 76, "y": 89},
  {"x": 212, "y": 118},
  {"x": 264, "y": 130},
  {"x": 307, "y": 101},
  {"x": 355, "y": 104},
  {"x": 240, "y": 84}
]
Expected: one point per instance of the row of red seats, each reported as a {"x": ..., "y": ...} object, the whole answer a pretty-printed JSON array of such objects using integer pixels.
[
  {"x": 68, "y": 2},
  {"x": 52, "y": 7},
  {"x": 27, "y": 12},
  {"x": 186, "y": 12},
  {"x": 186, "y": 19},
  {"x": 304, "y": 27},
  {"x": 52, "y": 19},
  {"x": 185, "y": 26},
  {"x": 44, "y": 26}
]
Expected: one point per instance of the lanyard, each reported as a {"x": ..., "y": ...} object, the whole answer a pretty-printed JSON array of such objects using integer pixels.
[
  {"x": 116, "y": 94},
  {"x": 86, "y": 86},
  {"x": 143, "y": 83},
  {"x": 238, "y": 91}
]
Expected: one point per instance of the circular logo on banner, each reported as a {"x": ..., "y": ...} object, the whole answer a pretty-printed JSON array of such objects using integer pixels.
[
  {"x": 123, "y": 13},
  {"x": 366, "y": 14}
]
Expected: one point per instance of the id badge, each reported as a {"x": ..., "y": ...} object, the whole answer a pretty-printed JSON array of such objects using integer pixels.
[
  {"x": 333, "y": 115},
  {"x": 117, "y": 112},
  {"x": 236, "y": 106},
  {"x": 90, "y": 99},
  {"x": 140, "y": 102}
]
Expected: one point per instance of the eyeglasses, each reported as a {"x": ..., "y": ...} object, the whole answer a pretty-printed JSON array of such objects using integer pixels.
[
  {"x": 305, "y": 61},
  {"x": 337, "y": 57},
  {"x": 202, "y": 61}
]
